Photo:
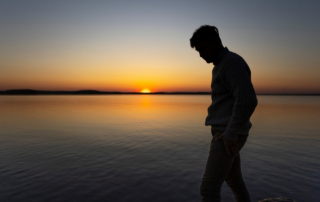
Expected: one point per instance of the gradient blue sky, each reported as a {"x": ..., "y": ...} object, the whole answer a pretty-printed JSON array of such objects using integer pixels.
[{"x": 132, "y": 45}]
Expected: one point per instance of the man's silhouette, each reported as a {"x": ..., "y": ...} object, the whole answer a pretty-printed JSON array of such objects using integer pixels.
[{"x": 233, "y": 102}]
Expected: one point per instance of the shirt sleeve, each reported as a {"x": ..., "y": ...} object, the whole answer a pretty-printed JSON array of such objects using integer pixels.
[{"x": 237, "y": 78}]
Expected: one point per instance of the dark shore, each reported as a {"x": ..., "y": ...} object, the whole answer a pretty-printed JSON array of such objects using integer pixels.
[{"x": 95, "y": 92}]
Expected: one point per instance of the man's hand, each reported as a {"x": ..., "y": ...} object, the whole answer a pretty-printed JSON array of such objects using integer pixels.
[{"x": 231, "y": 146}]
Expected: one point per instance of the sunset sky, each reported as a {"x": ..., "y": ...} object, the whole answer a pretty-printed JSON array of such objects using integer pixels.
[{"x": 133, "y": 45}]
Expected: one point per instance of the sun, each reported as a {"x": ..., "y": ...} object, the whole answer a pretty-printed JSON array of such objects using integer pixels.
[{"x": 145, "y": 90}]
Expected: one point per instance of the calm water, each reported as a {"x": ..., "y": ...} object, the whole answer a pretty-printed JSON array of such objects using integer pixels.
[{"x": 147, "y": 148}]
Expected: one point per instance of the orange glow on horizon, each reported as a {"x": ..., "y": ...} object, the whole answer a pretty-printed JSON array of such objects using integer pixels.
[{"x": 145, "y": 90}]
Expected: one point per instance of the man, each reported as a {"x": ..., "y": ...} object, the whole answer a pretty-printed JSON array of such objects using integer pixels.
[{"x": 233, "y": 102}]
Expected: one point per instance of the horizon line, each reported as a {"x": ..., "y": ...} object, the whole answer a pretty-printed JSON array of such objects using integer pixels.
[{"x": 96, "y": 92}]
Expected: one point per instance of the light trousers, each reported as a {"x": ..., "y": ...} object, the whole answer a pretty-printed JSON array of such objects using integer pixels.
[{"x": 221, "y": 168}]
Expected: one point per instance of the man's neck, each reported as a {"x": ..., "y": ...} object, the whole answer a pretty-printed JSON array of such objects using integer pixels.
[{"x": 223, "y": 51}]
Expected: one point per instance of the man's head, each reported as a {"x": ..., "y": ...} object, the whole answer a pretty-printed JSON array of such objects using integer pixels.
[{"x": 207, "y": 42}]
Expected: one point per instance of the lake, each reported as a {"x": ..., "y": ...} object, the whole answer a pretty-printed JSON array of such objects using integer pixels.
[{"x": 132, "y": 148}]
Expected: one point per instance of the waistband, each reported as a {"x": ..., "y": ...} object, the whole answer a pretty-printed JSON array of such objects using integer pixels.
[{"x": 214, "y": 131}]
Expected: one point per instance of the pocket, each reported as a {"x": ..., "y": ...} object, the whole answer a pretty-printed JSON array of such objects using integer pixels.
[
  {"x": 216, "y": 145},
  {"x": 215, "y": 134}
]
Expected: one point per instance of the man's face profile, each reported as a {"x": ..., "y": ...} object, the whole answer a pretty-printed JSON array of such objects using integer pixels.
[{"x": 207, "y": 50}]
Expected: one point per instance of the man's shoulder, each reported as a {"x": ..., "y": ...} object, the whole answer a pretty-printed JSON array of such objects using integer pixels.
[
  {"x": 234, "y": 62},
  {"x": 233, "y": 59},
  {"x": 232, "y": 55}
]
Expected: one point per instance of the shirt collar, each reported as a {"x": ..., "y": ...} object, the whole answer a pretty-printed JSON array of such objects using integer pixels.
[{"x": 224, "y": 51}]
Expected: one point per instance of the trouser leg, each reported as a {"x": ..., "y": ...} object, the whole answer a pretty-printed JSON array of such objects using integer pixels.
[
  {"x": 235, "y": 182},
  {"x": 217, "y": 170}
]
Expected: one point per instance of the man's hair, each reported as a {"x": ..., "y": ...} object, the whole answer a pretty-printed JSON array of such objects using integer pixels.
[{"x": 205, "y": 32}]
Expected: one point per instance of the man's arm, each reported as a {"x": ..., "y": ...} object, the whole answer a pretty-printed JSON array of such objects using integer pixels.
[{"x": 236, "y": 75}]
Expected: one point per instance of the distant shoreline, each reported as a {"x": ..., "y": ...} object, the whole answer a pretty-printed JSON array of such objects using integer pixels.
[{"x": 95, "y": 92}]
